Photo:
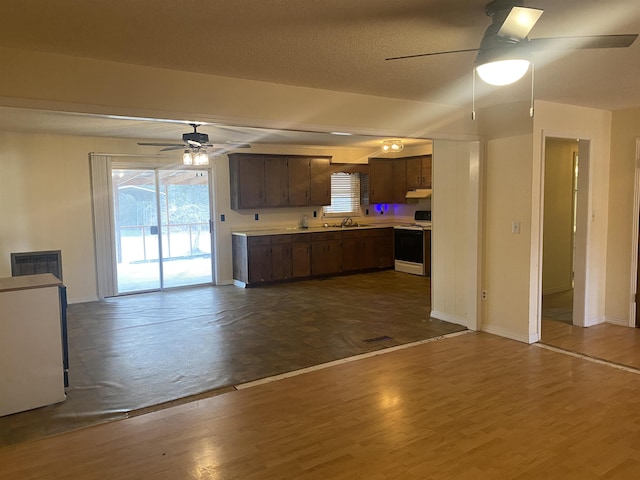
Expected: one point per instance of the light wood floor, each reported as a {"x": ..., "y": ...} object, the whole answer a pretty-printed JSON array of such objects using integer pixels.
[
  {"x": 471, "y": 406},
  {"x": 613, "y": 343}
]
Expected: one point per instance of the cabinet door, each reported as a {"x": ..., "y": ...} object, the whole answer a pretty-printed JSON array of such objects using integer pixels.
[
  {"x": 281, "y": 264},
  {"x": 380, "y": 180},
  {"x": 299, "y": 181},
  {"x": 248, "y": 182},
  {"x": 385, "y": 248},
  {"x": 414, "y": 172},
  {"x": 320, "y": 181},
  {"x": 276, "y": 182},
  {"x": 326, "y": 257},
  {"x": 418, "y": 172},
  {"x": 259, "y": 263},
  {"x": 427, "y": 166},
  {"x": 399, "y": 181},
  {"x": 369, "y": 251},
  {"x": 351, "y": 253},
  {"x": 301, "y": 259}
]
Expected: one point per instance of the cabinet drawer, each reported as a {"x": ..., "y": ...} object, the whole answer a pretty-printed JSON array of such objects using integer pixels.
[
  {"x": 322, "y": 236},
  {"x": 278, "y": 239},
  {"x": 261, "y": 240},
  {"x": 300, "y": 237},
  {"x": 357, "y": 233}
]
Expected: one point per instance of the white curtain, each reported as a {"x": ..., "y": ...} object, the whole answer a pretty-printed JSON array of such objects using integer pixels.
[{"x": 103, "y": 224}]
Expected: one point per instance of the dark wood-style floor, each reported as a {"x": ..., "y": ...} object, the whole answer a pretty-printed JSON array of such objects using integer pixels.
[{"x": 134, "y": 354}]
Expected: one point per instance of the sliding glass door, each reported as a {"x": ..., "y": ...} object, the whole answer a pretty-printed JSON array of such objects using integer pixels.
[{"x": 161, "y": 229}]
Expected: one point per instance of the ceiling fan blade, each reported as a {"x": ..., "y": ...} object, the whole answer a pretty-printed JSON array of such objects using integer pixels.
[
  {"x": 234, "y": 145},
  {"x": 174, "y": 147},
  {"x": 195, "y": 144},
  {"x": 432, "y": 54},
  {"x": 160, "y": 144},
  {"x": 519, "y": 22},
  {"x": 593, "y": 41},
  {"x": 226, "y": 145}
]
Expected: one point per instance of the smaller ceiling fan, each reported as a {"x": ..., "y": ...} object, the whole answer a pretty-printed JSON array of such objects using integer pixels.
[
  {"x": 195, "y": 140},
  {"x": 195, "y": 145},
  {"x": 506, "y": 44}
]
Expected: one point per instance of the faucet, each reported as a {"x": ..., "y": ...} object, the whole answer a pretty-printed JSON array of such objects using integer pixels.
[{"x": 347, "y": 221}]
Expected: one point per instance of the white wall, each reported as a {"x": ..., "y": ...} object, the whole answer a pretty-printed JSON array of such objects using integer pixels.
[
  {"x": 507, "y": 275},
  {"x": 455, "y": 243},
  {"x": 620, "y": 247}
]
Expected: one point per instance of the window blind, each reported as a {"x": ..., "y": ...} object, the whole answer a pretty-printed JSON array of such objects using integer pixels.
[{"x": 345, "y": 193}]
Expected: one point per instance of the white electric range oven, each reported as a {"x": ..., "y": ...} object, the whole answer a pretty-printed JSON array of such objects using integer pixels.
[{"x": 412, "y": 245}]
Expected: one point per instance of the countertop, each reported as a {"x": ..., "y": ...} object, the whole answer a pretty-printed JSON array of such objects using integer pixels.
[
  {"x": 27, "y": 282},
  {"x": 312, "y": 229}
]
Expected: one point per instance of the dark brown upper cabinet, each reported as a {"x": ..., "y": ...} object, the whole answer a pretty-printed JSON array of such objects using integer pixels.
[
  {"x": 271, "y": 181},
  {"x": 418, "y": 172}
]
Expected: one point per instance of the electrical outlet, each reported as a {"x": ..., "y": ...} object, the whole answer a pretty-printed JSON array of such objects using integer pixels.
[{"x": 484, "y": 295}]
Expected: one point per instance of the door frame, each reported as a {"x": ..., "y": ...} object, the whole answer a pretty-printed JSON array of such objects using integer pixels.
[
  {"x": 102, "y": 165},
  {"x": 635, "y": 241},
  {"x": 582, "y": 277}
]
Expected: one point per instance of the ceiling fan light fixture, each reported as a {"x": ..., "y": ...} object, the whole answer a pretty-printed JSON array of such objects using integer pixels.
[
  {"x": 201, "y": 158},
  {"x": 187, "y": 158},
  {"x": 503, "y": 72},
  {"x": 392, "y": 146}
]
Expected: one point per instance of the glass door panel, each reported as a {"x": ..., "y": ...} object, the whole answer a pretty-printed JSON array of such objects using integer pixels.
[
  {"x": 185, "y": 231},
  {"x": 136, "y": 230}
]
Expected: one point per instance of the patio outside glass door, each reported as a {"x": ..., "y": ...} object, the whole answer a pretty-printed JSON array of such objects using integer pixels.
[{"x": 162, "y": 228}]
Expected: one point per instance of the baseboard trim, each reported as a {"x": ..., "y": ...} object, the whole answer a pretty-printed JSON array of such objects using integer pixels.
[{"x": 623, "y": 322}]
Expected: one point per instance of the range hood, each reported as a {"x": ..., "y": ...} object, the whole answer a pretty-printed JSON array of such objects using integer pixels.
[{"x": 419, "y": 193}]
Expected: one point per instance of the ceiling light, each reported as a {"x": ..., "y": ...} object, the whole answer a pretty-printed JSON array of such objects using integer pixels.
[
  {"x": 187, "y": 158},
  {"x": 201, "y": 158},
  {"x": 392, "y": 146},
  {"x": 503, "y": 72}
]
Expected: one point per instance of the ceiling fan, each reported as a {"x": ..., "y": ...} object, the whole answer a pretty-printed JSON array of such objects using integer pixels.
[
  {"x": 195, "y": 145},
  {"x": 505, "y": 52}
]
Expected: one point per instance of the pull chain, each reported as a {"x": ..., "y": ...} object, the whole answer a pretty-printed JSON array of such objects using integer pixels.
[
  {"x": 532, "y": 77},
  {"x": 473, "y": 93}
]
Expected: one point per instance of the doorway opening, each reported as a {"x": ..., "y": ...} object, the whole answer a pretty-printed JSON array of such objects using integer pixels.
[
  {"x": 161, "y": 229},
  {"x": 559, "y": 230}
]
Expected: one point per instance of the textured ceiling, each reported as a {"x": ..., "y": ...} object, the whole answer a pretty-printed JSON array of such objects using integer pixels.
[{"x": 335, "y": 44}]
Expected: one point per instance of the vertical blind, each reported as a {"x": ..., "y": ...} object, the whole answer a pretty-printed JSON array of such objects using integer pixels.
[{"x": 345, "y": 193}]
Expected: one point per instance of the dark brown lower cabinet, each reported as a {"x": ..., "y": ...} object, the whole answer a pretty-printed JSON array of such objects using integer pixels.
[
  {"x": 269, "y": 258},
  {"x": 281, "y": 261},
  {"x": 325, "y": 258},
  {"x": 301, "y": 255},
  {"x": 367, "y": 249},
  {"x": 259, "y": 259}
]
